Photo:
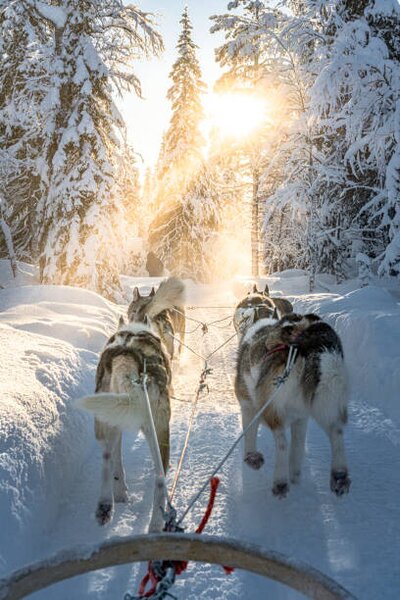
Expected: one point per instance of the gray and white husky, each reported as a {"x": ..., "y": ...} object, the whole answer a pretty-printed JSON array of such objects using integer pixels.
[
  {"x": 258, "y": 305},
  {"x": 316, "y": 387},
  {"x": 119, "y": 404},
  {"x": 165, "y": 308}
]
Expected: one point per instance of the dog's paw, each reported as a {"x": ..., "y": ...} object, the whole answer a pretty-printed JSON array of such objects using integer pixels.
[
  {"x": 255, "y": 460},
  {"x": 280, "y": 489},
  {"x": 103, "y": 512},
  {"x": 340, "y": 482}
]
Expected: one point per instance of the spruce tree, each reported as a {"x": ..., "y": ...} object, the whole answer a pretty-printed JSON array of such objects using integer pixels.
[
  {"x": 81, "y": 210},
  {"x": 24, "y": 48},
  {"x": 180, "y": 162},
  {"x": 183, "y": 141}
]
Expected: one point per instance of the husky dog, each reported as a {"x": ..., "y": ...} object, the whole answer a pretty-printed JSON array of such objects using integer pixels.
[
  {"x": 165, "y": 308},
  {"x": 259, "y": 305},
  {"x": 119, "y": 404},
  {"x": 316, "y": 387}
]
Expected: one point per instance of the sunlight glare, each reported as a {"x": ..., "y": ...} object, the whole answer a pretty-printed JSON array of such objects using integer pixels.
[{"x": 236, "y": 114}]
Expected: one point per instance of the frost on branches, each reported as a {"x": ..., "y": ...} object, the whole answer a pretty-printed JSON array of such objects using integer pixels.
[
  {"x": 66, "y": 130},
  {"x": 186, "y": 207},
  {"x": 24, "y": 44},
  {"x": 330, "y": 187},
  {"x": 184, "y": 235},
  {"x": 183, "y": 141}
]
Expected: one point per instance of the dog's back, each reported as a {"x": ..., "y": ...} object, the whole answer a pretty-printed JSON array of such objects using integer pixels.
[{"x": 164, "y": 307}]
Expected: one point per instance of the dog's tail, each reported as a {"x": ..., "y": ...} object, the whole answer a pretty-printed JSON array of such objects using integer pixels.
[
  {"x": 124, "y": 411},
  {"x": 170, "y": 293}
]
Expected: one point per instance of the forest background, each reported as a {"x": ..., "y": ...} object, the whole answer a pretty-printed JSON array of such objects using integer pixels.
[{"x": 293, "y": 163}]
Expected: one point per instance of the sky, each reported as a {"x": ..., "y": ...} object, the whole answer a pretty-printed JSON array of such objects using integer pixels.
[{"x": 147, "y": 119}]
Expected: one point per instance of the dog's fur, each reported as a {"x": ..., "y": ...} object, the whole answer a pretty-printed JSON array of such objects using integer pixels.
[
  {"x": 316, "y": 387},
  {"x": 119, "y": 404},
  {"x": 258, "y": 305},
  {"x": 165, "y": 308}
]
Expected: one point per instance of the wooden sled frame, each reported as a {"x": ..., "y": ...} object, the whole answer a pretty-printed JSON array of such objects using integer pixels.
[{"x": 177, "y": 546}]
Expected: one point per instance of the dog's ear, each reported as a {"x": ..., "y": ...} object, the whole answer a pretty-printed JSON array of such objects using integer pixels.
[
  {"x": 153, "y": 292},
  {"x": 266, "y": 290},
  {"x": 275, "y": 314},
  {"x": 121, "y": 322},
  {"x": 255, "y": 290},
  {"x": 136, "y": 294}
]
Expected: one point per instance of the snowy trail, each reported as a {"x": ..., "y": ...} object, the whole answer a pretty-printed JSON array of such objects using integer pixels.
[{"x": 353, "y": 539}]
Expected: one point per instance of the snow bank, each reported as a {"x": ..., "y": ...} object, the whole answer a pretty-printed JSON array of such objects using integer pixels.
[
  {"x": 49, "y": 340},
  {"x": 27, "y": 274},
  {"x": 368, "y": 322}
]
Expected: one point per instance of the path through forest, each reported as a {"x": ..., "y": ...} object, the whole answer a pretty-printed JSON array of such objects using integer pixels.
[{"x": 351, "y": 539}]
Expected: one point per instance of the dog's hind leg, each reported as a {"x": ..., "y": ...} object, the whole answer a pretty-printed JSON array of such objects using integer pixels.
[
  {"x": 252, "y": 458},
  {"x": 329, "y": 409},
  {"x": 106, "y": 499},
  {"x": 281, "y": 480},
  {"x": 340, "y": 480},
  {"x": 297, "y": 446},
  {"x": 120, "y": 487}
]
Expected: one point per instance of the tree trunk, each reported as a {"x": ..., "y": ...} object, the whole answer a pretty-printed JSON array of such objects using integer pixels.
[
  {"x": 255, "y": 230},
  {"x": 9, "y": 243}
]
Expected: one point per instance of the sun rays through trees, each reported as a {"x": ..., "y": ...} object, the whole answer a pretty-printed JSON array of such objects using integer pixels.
[{"x": 287, "y": 158}]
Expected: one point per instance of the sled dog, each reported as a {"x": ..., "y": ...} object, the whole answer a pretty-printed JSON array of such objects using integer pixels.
[
  {"x": 258, "y": 305},
  {"x": 119, "y": 404},
  {"x": 316, "y": 387},
  {"x": 165, "y": 308}
]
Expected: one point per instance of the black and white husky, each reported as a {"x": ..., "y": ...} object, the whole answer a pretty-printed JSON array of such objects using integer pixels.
[
  {"x": 165, "y": 308},
  {"x": 316, "y": 387},
  {"x": 258, "y": 305},
  {"x": 119, "y": 404}
]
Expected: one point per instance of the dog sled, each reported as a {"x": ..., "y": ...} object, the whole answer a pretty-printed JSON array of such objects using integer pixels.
[{"x": 177, "y": 546}]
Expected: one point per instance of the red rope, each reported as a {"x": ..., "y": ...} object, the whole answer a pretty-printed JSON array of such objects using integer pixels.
[
  {"x": 181, "y": 565},
  {"x": 279, "y": 348}
]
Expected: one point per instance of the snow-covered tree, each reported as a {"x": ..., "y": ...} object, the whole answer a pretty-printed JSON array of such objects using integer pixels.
[
  {"x": 180, "y": 159},
  {"x": 82, "y": 209},
  {"x": 355, "y": 100},
  {"x": 182, "y": 236},
  {"x": 183, "y": 141},
  {"x": 24, "y": 45},
  {"x": 268, "y": 49}
]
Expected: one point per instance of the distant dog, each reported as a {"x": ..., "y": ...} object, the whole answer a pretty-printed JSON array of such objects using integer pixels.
[
  {"x": 119, "y": 404},
  {"x": 258, "y": 305},
  {"x": 316, "y": 387},
  {"x": 165, "y": 308}
]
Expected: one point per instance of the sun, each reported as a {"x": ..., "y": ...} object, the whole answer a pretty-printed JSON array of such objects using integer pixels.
[{"x": 236, "y": 115}]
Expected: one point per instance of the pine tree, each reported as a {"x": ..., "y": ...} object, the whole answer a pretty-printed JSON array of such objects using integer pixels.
[
  {"x": 180, "y": 161},
  {"x": 183, "y": 141},
  {"x": 81, "y": 209},
  {"x": 24, "y": 43}
]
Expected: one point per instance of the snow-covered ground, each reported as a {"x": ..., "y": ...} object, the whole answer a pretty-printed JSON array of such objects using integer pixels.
[{"x": 50, "y": 465}]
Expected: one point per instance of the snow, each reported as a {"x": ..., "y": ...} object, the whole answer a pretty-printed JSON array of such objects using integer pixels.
[
  {"x": 50, "y": 337},
  {"x": 55, "y": 14}
]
